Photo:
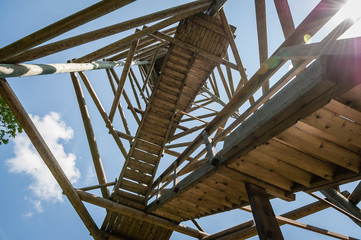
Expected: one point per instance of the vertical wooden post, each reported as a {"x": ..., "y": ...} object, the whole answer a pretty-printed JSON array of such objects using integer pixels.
[
  {"x": 48, "y": 157},
  {"x": 102, "y": 112},
  {"x": 90, "y": 136},
  {"x": 262, "y": 36},
  {"x": 124, "y": 75},
  {"x": 266, "y": 222},
  {"x": 210, "y": 148}
]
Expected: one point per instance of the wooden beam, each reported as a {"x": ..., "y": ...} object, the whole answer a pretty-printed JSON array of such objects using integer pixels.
[
  {"x": 194, "y": 49},
  {"x": 90, "y": 135},
  {"x": 229, "y": 75},
  {"x": 122, "y": 79},
  {"x": 308, "y": 227},
  {"x": 97, "y": 186},
  {"x": 285, "y": 17},
  {"x": 104, "y": 32},
  {"x": 128, "y": 211},
  {"x": 355, "y": 196},
  {"x": 22, "y": 70},
  {"x": 262, "y": 35},
  {"x": 216, "y": 6},
  {"x": 120, "y": 108},
  {"x": 337, "y": 198},
  {"x": 236, "y": 55},
  {"x": 114, "y": 47},
  {"x": 102, "y": 112},
  {"x": 266, "y": 222},
  {"x": 220, "y": 72},
  {"x": 297, "y": 68},
  {"x": 150, "y": 70},
  {"x": 248, "y": 229},
  {"x": 77, "y": 19},
  {"x": 138, "y": 86},
  {"x": 21, "y": 115},
  {"x": 125, "y": 95},
  {"x": 313, "y": 50}
]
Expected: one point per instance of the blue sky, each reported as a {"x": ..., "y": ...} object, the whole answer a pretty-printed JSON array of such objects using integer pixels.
[{"x": 27, "y": 211}]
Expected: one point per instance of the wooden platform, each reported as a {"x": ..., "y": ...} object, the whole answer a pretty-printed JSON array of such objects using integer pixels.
[
  {"x": 304, "y": 139},
  {"x": 182, "y": 75}
]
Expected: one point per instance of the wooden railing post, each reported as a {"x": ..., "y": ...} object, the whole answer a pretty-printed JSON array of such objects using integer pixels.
[{"x": 211, "y": 150}]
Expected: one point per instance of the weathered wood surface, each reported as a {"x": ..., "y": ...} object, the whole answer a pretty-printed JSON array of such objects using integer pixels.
[
  {"x": 74, "y": 41},
  {"x": 182, "y": 76},
  {"x": 263, "y": 215},
  {"x": 77, "y": 19},
  {"x": 299, "y": 140}
]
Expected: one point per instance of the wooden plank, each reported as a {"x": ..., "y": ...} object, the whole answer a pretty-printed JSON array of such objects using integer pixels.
[
  {"x": 140, "y": 165},
  {"x": 148, "y": 147},
  {"x": 264, "y": 217},
  {"x": 247, "y": 167},
  {"x": 331, "y": 138},
  {"x": 133, "y": 187},
  {"x": 277, "y": 166},
  {"x": 334, "y": 124},
  {"x": 204, "y": 23},
  {"x": 297, "y": 158},
  {"x": 344, "y": 110},
  {"x": 243, "y": 178},
  {"x": 123, "y": 194},
  {"x": 321, "y": 148},
  {"x": 137, "y": 176},
  {"x": 196, "y": 50},
  {"x": 144, "y": 156}
]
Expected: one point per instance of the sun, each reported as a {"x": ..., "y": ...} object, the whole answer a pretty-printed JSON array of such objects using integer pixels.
[{"x": 351, "y": 10}]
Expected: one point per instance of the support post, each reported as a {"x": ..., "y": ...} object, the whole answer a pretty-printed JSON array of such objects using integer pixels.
[
  {"x": 21, "y": 115},
  {"x": 122, "y": 78},
  {"x": 90, "y": 136},
  {"x": 266, "y": 222},
  {"x": 210, "y": 148},
  {"x": 355, "y": 196},
  {"x": 338, "y": 199}
]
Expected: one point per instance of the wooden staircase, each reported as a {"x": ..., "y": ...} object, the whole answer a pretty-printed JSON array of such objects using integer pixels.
[{"x": 182, "y": 75}]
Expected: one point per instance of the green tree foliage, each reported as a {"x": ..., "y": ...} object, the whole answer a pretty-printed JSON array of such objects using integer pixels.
[{"x": 9, "y": 126}]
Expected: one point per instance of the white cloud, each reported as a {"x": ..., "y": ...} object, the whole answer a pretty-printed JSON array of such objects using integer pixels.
[
  {"x": 27, "y": 161},
  {"x": 90, "y": 176}
]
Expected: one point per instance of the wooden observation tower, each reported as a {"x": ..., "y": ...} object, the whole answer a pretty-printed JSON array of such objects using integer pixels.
[{"x": 181, "y": 99}]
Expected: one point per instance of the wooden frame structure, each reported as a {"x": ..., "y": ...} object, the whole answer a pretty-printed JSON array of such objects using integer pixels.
[{"x": 178, "y": 84}]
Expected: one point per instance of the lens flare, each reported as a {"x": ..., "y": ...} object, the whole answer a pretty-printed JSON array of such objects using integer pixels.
[{"x": 307, "y": 38}]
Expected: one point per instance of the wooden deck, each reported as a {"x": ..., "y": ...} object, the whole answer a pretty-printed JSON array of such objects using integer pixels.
[{"x": 304, "y": 139}]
